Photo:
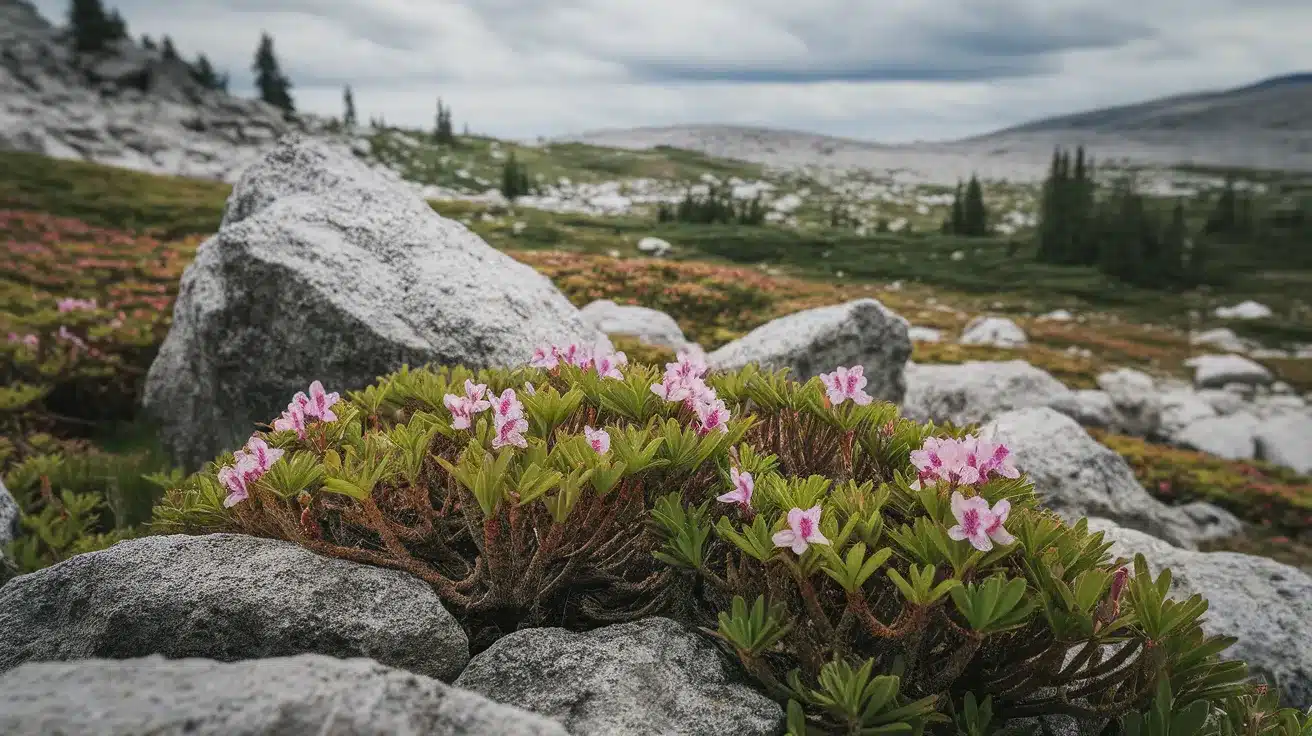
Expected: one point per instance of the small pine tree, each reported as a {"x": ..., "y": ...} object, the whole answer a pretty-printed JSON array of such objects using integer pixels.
[
  {"x": 348, "y": 105},
  {"x": 975, "y": 216},
  {"x": 203, "y": 72},
  {"x": 89, "y": 25},
  {"x": 957, "y": 225},
  {"x": 514, "y": 179},
  {"x": 443, "y": 132},
  {"x": 274, "y": 87},
  {"x": 167, "y": 51},
  {"x": 147, "y": 42},
  {"x": 116, "y": 29}
]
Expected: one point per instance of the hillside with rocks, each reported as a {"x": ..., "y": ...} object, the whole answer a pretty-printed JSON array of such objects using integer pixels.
[{"x": 126, "y": 106}]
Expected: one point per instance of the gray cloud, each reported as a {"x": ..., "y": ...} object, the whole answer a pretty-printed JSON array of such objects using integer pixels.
[{"x": 893, "y": 70}]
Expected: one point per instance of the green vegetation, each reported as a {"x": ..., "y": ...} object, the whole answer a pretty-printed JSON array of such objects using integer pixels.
[{"x": 274, "y": 86}]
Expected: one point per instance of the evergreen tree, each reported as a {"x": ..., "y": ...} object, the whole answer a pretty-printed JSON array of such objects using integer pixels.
[
  {"x": 274, "y": 87},
  {"x": 147, "y": 42},
  {"x": 116, "y": 29},
  {"x": 89, "y": 24},
  {"x": 1172, "y": 253},
  {"x": 203, "y": 72},
  {"x": 443, "y": 132},
  {"x": 957, "y": 225},
  {"x": 167, "y": 50},
  {"x": 348, "y": 105},
  {"x": 974, "y": 214},
  {"x": 514, "y": 178}
]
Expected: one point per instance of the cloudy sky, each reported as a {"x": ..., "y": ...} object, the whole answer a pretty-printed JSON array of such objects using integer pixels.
[{"x": 887, "y": 70}]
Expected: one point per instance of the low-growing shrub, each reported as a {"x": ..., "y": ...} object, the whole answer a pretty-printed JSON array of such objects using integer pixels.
[{"x": 876, "y": 575}]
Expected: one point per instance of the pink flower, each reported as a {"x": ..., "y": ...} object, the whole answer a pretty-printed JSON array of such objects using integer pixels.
[
  {"x": 28, "y": 340},
  {"x": 234, "y": 480},
  {"x": 993, "y": 459},
  {"x": 511, "y": 432},
  {"x": 72, "y": 305},
  {"x": 979, "y": 524},
  {"x": 846, "y": 383},
  {"x": 320, "y": 404},
  {"x": 574, "y": 354},
  {"x": 462, "y": 410},
  {"x": 293, "y": 419},
  {"x": 712, "y": 416},
  {"x": 599, "y": 439},
  {"x": 475, "y": 391},
  {"x": 966, "y": 461},
  {"x": 803, "y": 530},
  {"x": 742, "y": 489},
  {"x": 544, "y": 357},
  {"x": 250, "y": 463},
  {"x": 65, "y": 334},
  {"x": 505, "y": 407},
  {"x": 264, "y": 455},
  {"x": 608, "y": 366}
]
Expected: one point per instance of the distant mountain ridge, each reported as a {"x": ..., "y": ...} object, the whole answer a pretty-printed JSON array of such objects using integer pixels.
[{"x": 1265, "y": 125}]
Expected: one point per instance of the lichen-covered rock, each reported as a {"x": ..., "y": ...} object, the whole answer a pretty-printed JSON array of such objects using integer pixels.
[
  {"x": 976, "y": 391},
  {"x": 325, "y": 270},
  {"x": 1089, "y": 407},
  {"x": 1212, "y": 371},
  {"x": 1287, "y": 440},
  {"x": 307, "y": 695},
  {"x": 1266, "y": 604},
  {"x": 226, "y": 597},
  {"x": 649, "y": 677},
  {"x": 1180, "y": 408},
  {"x": 1136, "y": 398},
  {"x": 861, "y": 332},
  {"x": 9, "y": 513},
  {"x": 1076, "y": 476},
  {"x": 649, "y": 326},
  {"x": 1232, "y": 437},
  {"x": 995, "y": 331}
]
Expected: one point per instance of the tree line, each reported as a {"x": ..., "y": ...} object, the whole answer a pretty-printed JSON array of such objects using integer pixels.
[{"x": 1147, "y": 242}]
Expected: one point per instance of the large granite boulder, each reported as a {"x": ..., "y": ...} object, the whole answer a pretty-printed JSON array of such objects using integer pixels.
[
  {"x": 307, "y": 695},
  {"x": 1076, "y": 476},
  {"x": 323, "y": 269},
  {"x": 1287, "y": 440},
  {"x": 9, "y": 513},
  {"x": 861, "y": 332},
  {"x": 976, "y": 391},
  {"x": 998, "y": 332},
  {"x": 1266, "y": 604},
  {"x": 226, "y": 597},
  {"x": 645, "y": 678}
]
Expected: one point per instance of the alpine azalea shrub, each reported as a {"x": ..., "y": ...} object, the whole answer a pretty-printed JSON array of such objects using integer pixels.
[{"x": 876, "y": 575}]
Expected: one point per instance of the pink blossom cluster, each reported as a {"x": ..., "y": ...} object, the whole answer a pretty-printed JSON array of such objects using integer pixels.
[
  {"x": 73, "y": 305},
  {"x": 684, "y": 382},
  {"x": 979, "y": 524},
  {"x": 318, "y": 405},
  {"x": 507, "y": 413},
  {"x": 967, "y": 461},
  {"x": 250, "y": 463},
  {"x": 846, "y": 383},
  {"x": 606, "y": 363},
  {"x": 598, "y": 439},
  {"x": 28, "y": 340}
]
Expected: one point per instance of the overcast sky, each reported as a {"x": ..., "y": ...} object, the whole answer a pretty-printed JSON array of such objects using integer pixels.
[{"x": 887, "y": 70}]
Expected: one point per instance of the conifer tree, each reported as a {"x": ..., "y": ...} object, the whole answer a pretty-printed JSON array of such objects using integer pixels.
[
  {"x": 514, "y": 178},
  {"x": 957, "y": 225},
  {"x": 167, "y": 50},
  {"x": 443, "y": 131},
  {"x": 348, "y": 105},
  {"x": 974, "y": 214},
  {"x": 203, "y": 72},
  {"x": 89, "y": 25},
  {"x": 147, "y": 42},
  {"x": 273, "y": 85},
  {"x": 116, "y": 28}
]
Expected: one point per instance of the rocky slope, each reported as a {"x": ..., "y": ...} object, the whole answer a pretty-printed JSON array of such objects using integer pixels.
[{"x": 127, "y": 106}]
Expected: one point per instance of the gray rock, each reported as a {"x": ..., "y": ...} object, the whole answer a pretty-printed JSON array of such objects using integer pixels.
[
  {"x": 1232, "y": 437},
  {"x": 1211, "y": 371},
  {"x": 650, "y": 326},
  {"x": 649, "y": 677},
  {"x": 325, "y": 270},
  {"x": 1266, "y": 604},
  {"x": 861, "y": 332},
  {"x": 1089, "y": 407},
  {"x": 306, "y": 695},
  {"x": 924, "y": 334},
  {"x": 996, "y": 331},
  {"x": 1076, "y": 476},
  {"x": 226, "y": 597},
  {"x": 976, "y": 391},
  {"x": 9, "y": 513},
  {"x": 1221, "y": 338},
  {"x": 1287, "y": 440},
  {"x": 1276, "y": 405},
  {"x": 1224, "y": 402},
  {"x": 1136, "y": 398},
  {"x": 1179, "y": 409}
]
